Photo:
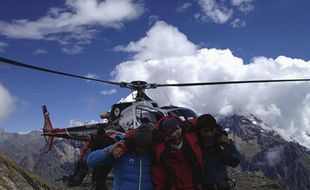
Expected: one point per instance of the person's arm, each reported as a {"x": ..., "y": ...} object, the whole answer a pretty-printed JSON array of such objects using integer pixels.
[
  {"x": 102, "y": 156},
  {"x": 227, "y": 151},
  {"x": 235, "y": 155},
  {"x": 106, "y": 155}
]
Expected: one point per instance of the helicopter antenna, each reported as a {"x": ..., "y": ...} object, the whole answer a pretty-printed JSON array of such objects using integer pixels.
[{"x": 168, "y": 98}]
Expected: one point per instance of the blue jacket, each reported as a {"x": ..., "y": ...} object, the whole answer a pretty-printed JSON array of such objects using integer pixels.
[
  {"x": 131, "y": 171},
  {"x": 215, "y": 166}
]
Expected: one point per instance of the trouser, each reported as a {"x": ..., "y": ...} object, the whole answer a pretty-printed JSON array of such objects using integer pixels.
[
  {"x": 80, "y": 171},
  {"x": 99, "y": 175}
]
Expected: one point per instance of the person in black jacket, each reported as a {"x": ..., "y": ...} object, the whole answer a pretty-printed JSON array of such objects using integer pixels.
[
  {"x": 218, "y": 152},
  {"x": 100, "y": 173}
]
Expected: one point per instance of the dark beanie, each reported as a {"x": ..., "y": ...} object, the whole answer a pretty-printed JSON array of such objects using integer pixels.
[
  {"x": 206, "y": 120},
  {"x": 170, "y": 125},
  {"x": 143, "y": 135}
]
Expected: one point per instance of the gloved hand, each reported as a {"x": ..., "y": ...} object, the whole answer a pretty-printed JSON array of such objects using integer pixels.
[{"x": 118, "y": 149}]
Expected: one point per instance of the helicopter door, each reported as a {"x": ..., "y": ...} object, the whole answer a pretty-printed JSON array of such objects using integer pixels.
[
  {"x": 127, "y": 119},
  {"x": 145, "y": 114}
]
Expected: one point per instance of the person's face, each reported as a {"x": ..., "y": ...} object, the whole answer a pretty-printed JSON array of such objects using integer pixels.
[
  {"x": 176, "y": 137},
  {"x": 140, "y": 150},
  {"x": 207, "y": 133}
]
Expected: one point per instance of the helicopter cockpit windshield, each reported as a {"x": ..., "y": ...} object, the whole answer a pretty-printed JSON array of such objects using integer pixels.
[
  {"x": 145, "y": 114},
  {"x": 183, "y": 113}
]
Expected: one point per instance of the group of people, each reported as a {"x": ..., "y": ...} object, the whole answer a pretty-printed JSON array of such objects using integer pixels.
[{"x": 171, "y": 155}]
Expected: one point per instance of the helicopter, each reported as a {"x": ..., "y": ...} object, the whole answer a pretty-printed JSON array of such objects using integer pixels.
[{"x": 125, "y": 115}]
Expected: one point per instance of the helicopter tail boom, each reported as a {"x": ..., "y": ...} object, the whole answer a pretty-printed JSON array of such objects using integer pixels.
[{"x": 47, "y": 128}]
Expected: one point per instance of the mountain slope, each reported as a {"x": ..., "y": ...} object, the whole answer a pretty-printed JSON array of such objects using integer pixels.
[
  {"x": 14, "y": 177},
  {"x": 20, "y": 147},
  {"x": 29, "y": 151},
  {"x": 264, "y": 150},
  {"x": 58, "y": 162}
]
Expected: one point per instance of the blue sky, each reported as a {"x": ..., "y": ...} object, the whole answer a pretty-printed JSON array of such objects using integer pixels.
[{"x": 158, "y": 41}]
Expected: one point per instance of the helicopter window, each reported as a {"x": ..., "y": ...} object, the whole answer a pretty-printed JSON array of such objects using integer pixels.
[
  {"x": 154, "y": 105},
  {"x": 145, "y": 114},
  {"x": 184, "y": 114}
]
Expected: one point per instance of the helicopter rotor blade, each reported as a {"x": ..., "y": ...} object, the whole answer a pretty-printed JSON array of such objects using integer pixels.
[
  {"x": 141, "y": 85},
  {"x": 229, "y": 82},
  {"x": 16, "y": 63}
]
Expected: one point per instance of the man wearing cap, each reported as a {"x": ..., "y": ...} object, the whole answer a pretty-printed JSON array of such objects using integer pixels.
[
  {"x": 218, "y": 152},
  {"x": 131, "y": 160},
  {"x": 178, "y": 158}
]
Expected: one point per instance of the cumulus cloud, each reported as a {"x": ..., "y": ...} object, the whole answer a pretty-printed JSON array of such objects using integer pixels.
[
  {"x": 2, "y": 46},
  {"x": 76, "y": 21},
  {"x": 283, "y": 106},
  {"x": 7, "y": 103},
  {"x": 155, "y": 45},
  {"x": 274, "y": 155},
  {"x": 108, "y": 92},
  {"x": 221, "y": 12}
]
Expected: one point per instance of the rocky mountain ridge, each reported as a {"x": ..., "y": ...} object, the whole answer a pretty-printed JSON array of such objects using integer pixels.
[
  {"x": 266, "y": 157},
  {"x": 266, "y": 151}
]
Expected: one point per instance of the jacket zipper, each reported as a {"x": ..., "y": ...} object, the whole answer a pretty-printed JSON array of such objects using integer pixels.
[{"x": 140, "y": 176}]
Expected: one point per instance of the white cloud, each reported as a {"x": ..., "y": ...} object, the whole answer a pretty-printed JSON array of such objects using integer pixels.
[
  {"x": 75, "y": 21},
  {"x": 40, "y": 51},
  {"x": 274, "y": 155},
  {"x": 237, "y": 23},
  {"x": 221, "y": 12},
  {"x": 7, "y": 103},
  {"x": 153, "y": 19},
  {"x": 108, "y": 92},
  {"x": 75, "y": 49},
  {"x": 183, "y": 7},
  {"x": 243, "y": 5},
  {"x": 283, "y": 106},
  {"x": 2, "y": 46},
  {"x": 155, "y": 45},
  {"x": 91, "y": 75},
  {"x": 75, "y": 123},
  {"x": 215, "y": 11}
]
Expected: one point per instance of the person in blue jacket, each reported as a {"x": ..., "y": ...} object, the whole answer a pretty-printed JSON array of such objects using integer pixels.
[
  {"x": 131, "y": 160},
  {"x": 218, "y": 152}
]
